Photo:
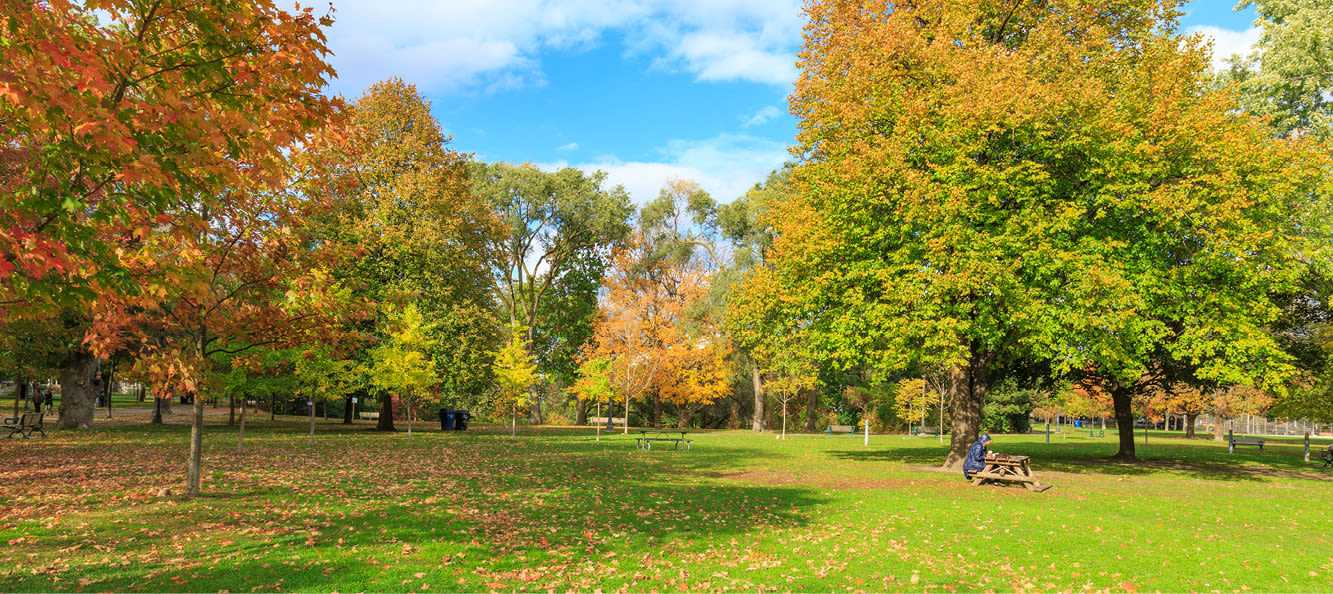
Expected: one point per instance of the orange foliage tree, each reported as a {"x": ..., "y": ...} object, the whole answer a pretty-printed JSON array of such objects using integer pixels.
[{"x": 117, "y": 111}]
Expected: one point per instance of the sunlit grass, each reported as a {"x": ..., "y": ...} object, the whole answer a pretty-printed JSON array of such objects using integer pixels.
[{"x": 556, "y": 510}]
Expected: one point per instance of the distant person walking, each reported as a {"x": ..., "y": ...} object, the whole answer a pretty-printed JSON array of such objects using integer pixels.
[{"x": 50, "y": 401}]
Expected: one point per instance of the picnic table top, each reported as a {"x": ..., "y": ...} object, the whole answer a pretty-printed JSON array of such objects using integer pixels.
[
  {"x": 645, "y": 431},
  {"x": 1006, "y": 459}
]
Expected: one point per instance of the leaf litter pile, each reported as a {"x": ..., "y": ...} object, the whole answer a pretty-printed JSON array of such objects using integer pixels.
[{"x": 556, "y": 511}]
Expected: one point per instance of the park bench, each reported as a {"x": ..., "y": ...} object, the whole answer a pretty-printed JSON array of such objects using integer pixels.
[
  {"x": 602, "y": 420},
  {"x": 648, "y": 436},
  {"x": 925, "y": 431},
  {"x": 1254, "y": 441},
  {"x": 25, "y": 425},
  {"x": 374, "y": 416},
  {"x": 1328, "y": 457},
  {"x": 848, "y": 429}
]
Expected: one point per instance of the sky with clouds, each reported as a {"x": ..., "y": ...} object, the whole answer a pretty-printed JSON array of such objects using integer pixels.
[{"x": 646, "y": 90}]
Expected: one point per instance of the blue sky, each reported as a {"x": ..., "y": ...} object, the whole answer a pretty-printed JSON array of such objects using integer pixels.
[{"x": 645, "y": 90}]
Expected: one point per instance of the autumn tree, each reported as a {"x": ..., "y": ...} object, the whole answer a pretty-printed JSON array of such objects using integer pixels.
[
  {"x": 118, "y": 111},
  {"x": 1033, "y": 178},
  {"x": 594, "y": 384},
  {"x": 910, "y": 401},
  {"x": 551, "y": 222}
]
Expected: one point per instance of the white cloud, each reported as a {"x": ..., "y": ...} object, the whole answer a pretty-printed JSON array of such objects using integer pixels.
[
  {"x": 573, "y": 146},
  {"x": 763, "y": 116},
  {"x": 464, "y": 45},
  {"x": 1227, "y": 42},
  {"x": 726, "y": 166}
]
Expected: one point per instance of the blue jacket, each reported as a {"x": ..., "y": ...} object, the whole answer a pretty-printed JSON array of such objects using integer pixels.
[{"x": 976, "y": 455}]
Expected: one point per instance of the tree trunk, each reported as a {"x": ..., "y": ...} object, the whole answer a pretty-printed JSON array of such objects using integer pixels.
[
  {"x": 108, "y": 378},
  {"x": 1219, "y": 433},
  {"x": 534, "y": 409},
  {"x": 20, "y": 397},
  {"x": 1121, "y": 398},
  {"x": 196, "y": 447},
  {"x": 967, "y": 394},
  {"x": 1190, "y": 420},
  {"x": 143, "y": 391},
  {"x": 231, "y": 410},
  {"x": 312, "y": 423},
  {"x": 580, "y": 412},
  {"x": 811, "y": 409},
  {"x": 240, "y": 435},
  {"x": 784, "y": 419},
  {"x": 386, "y": 413},
  {"x": 758, "y": 399},
  {"x": 76, "y": 392},
  {"x": 348, "y": 409}
]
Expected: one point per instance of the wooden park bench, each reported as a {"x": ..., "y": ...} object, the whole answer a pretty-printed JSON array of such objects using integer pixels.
[
  {"x": 848, "y": 429},
  {"x": 1254, "y": 441},
  {"x": 618, "y": 421},
  {"x": 648, "y": 436},
  {"x": 374, "y": 416},
  {"x": 25, "y": 425}
]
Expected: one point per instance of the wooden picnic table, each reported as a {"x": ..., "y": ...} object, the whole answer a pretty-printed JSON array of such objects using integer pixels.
[
  {"x": 1012, "y": 469},
  {"x": 648, "y": 436}
]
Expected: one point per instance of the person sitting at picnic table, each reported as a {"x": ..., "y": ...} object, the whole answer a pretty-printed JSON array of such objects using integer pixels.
[{"x": 976, "y": 456}]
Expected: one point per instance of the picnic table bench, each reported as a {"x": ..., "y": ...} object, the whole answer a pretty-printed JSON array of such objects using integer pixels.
[
  {"x": 848, "y": 429},
  {"x": 1013, "y": 469},
  {"x": 1254, "y": 441},
  {"x": 25, "y": 425},
  {"x": 648, "y": 436}
]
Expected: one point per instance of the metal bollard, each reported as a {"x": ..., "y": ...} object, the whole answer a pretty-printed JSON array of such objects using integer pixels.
[{"x": 1307, "y": 446}]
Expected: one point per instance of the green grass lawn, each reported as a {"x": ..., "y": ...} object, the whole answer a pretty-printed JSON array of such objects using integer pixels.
[{"x": 554, "y": 510}]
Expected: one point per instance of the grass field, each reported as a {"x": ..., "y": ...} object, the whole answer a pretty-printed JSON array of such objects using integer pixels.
[{"x": 554, "y": 510}]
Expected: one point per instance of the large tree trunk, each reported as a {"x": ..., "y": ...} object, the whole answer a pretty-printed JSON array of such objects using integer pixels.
[
  {"x": 758, "y": 399},
  {"x": 386, "y": 413},
  {"x": 967, "y": 394},
  {"x": 1189, "y": 424},
  {"x": 580, "y": 412},
  {"x": 811, "y": 409},
  {"x": 77, "y": 395},
  {"x": 348, "y": 409},
  {"x": 1122, "y": 398},
  {"x": 1219, "y": 432},
  {"x": 534, "y": 409},
  {"x": 196, "y": 446}
]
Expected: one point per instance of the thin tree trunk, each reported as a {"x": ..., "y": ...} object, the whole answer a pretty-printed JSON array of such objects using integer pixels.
[
  {"x": 20, "y": 397},
  {"x": 657, "y": 409},
  {"x": 196, "y": 447},
  {"x": 143, "y": 391},
  {"x": 784, "y": 419},
  {"x": 240, "y": 435},
  {"x": 312, "y": 421},
  {"x": 758, "y": 423},
  {"x": 811, "y": 409},
  {"x": 231, "y": 410},
  {"x": 109, "y": 377}
]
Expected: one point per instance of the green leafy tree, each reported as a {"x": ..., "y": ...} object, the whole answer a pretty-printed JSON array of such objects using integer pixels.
[
  {"x": 1025, "y": 191},
  {"x": 594, "y": 384},
  {"x": 551, "y": 224}
]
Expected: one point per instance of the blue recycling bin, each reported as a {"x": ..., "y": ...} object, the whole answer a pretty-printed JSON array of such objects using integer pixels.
[
  {"x": 1078, "y": 423},
  {"x": 446, "y": 419}
]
